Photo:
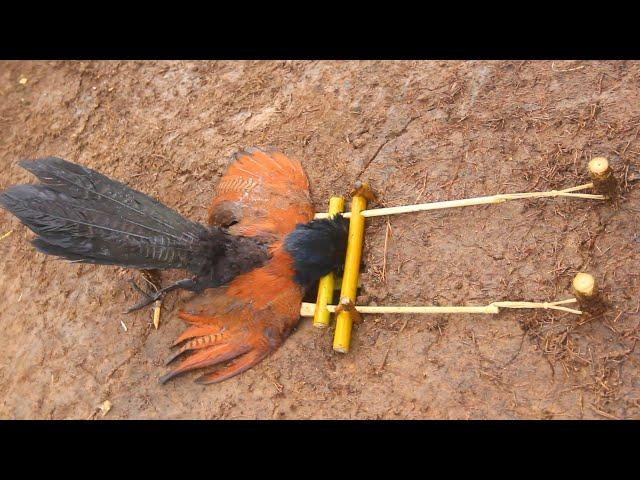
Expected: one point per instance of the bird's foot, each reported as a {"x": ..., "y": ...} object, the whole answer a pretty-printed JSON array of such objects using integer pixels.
[
  {"x": 190, "y": 284},
  {"x": 148, "y": 297}
]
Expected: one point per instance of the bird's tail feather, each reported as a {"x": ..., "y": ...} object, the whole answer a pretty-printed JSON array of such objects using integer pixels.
[{"x": 82, "y": 215}]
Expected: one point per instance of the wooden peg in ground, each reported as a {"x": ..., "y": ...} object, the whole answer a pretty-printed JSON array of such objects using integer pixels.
[
  {"x": 604, "y": 182},
  {"x": 586, "y": 291}
]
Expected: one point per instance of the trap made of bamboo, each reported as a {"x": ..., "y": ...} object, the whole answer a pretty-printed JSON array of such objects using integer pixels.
[
  {"x": 344, "y": 320},
  {"x": 327, "y": 283},
  {"x": 467, "y": 202},
  {"x": 308, "y": 309}
]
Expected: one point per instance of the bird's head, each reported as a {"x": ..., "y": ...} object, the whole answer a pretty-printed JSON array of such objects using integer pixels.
[{"x": 317, "y": 248}]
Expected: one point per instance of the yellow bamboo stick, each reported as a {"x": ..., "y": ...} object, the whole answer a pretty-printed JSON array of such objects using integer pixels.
[
  {"x": 344, "y": 322},
  {"x": 156, "y": 313},
  {"x": 466, "y": 202},
  {"x": 327, "y": 283},
  {"x": 307, "y": 309}
]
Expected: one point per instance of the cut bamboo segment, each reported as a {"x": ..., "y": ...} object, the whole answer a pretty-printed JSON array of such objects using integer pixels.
[
  {"x": 604, "y": 181},
  {"x": 326, "y": 285},
  {"x": 584, "y": 285},
  {"x": 467, "y": 202},
  {"x": 307, "y": 309},
  {"x": 344, "y": 322}
]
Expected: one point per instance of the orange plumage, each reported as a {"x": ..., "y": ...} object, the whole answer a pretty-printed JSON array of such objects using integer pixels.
[
  {"x": 252, "y": 263},
  {"x": 267, "y": 195}
]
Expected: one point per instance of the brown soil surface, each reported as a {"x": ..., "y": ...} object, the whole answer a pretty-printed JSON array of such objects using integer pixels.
[{"x": 418, "y": 131}]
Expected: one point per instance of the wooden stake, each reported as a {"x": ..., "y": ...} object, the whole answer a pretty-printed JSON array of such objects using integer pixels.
[
  {"x": 326, "y": 285},
  {"x": 604, "y": 181},
  {"x": 467, "y": 202},
  {"x": 585, "y": 288}
]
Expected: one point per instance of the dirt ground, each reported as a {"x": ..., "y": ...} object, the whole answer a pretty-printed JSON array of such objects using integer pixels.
[{"x": 418, "y": 131}]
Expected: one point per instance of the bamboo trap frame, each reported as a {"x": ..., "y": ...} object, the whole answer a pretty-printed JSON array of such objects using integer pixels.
[
  {"x": 467, "y": 202},
  {"x": 584, "y": 285}
]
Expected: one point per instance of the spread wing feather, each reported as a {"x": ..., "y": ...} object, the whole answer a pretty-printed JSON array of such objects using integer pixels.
[
  {"x": 263, "y": 193},
  {"x": 240, "y": 323}
]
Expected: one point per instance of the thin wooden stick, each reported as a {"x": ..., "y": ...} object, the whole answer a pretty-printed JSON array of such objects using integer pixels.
[
  {"x": 492, "y": 199},
  {"x": 384, "y": 251},
  {"x": 307, "y": 309}
]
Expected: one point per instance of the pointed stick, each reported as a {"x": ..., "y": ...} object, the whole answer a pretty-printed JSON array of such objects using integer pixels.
[
  {"x": 156, "y": 313},
  {"x": 492, "y": 199},
  {"x": 307, "y": 309}
]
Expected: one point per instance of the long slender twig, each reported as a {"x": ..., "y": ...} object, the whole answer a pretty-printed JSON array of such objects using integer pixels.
[
  {"x": 466, "y": 202},
  {"x": 307, "y": 309}
]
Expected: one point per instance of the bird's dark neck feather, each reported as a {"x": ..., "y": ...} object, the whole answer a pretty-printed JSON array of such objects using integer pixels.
[{"x": 317, "y": 248}]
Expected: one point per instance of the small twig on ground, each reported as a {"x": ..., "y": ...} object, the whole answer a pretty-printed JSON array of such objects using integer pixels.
[
  {"x": 152, "y": 277},
  {"x": 104, "y": 407},
  {"x": 424, "y": 187},
  {"x": 604, "y": 414},
  {"x": 567, "y": 70},
  {"x": 384, "y": 254},
  {"x": 384, "y": 359}
]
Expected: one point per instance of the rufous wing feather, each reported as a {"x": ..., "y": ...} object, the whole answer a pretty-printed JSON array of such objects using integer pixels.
[
  {"x": 236, "y": 326},
  {"x": 263, "y": 193}
]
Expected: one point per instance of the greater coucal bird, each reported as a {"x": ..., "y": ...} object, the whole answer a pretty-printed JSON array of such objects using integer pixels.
[{"x": 251, "y": 264}]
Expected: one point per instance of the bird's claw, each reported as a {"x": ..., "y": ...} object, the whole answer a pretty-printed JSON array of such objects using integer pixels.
[{"x": 148, "y": 299}]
